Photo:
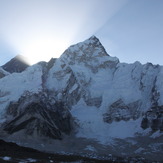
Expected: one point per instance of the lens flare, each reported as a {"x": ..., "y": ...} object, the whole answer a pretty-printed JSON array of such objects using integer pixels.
[{"x": 44, "y": 50}]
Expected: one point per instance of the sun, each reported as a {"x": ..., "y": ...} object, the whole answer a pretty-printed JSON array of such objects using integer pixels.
[{"x": 43, "y": 49}]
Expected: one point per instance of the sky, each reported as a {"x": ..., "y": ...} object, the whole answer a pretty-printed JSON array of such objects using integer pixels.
[{"x": 131, "y": 30}]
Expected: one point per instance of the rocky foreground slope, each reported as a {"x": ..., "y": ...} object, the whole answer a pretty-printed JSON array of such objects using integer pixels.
[{"x": 86, "y": 101}]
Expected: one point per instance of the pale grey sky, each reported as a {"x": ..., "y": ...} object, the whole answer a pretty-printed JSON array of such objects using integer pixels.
[{"x": 40, "y": 29}]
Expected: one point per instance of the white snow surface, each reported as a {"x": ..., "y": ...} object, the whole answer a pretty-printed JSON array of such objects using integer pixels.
[
  {"x": 90, "y": 148},
  {"x": 92, "y": 125},
  {"x": 159, "y": 84},
  {"x": 6, "y": 158},
  {"x": 15, "y": 85}
]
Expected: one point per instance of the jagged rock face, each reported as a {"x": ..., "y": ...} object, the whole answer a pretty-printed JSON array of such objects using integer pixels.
[
  {"x": 38, "y": 118},
  {"x": 120, "y": 111},
  {"x": 17, "y": 64},
  {"x": 153, "y": 119},
  {"x": 91, "y": 53}
]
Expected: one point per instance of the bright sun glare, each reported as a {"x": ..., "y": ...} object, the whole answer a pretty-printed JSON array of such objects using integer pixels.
[
  {"x": 44, "y": 29},
  {"x": 43, "y": 50}
]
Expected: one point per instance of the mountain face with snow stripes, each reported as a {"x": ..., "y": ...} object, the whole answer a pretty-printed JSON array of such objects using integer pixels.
[{"x": 86, "y": 94}]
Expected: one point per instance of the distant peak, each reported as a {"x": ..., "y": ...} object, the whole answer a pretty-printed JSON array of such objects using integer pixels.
[
  {"x": 20, "y": 57},
  {"x": 17, "y": 64},
  {"x": 87, "y": 47}
]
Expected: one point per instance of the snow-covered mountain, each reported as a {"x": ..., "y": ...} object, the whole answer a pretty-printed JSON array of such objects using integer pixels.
[
  {"x": 17, "y": 64},
  {"x": 89, "y": 97}
]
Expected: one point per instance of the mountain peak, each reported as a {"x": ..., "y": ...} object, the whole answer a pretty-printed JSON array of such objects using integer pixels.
[
  {"x": 20, "y": 57},
  {"x": 91, "y": 47},
  {"x": 93, "y": 38},
  {"x": 16, "y": 64},
  {"x": 90, "y": 53}
]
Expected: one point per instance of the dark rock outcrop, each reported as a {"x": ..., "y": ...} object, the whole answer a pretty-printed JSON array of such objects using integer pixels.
[
  {"x": 153, "y": 119},
  {"x": 120, "y": 111},
  {"x": 38, "y": 118}
]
